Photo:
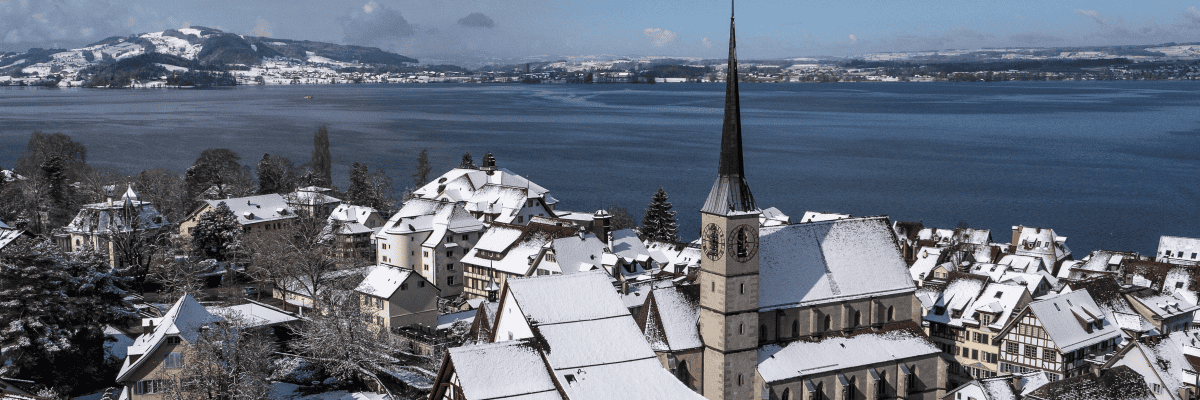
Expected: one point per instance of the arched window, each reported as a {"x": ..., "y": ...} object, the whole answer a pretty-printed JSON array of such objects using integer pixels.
[
  {"x": 819, "y": 394},
  {"x": 795, "y": 328},
  {"x": 740, "y": 380},
  {"x": 787, "y": 394},
  {"x": 762, "y": 333},
  {"x": 881, "y": 385},
  {"x": 828, "y": 323},
  {"x": 891, "y": 314},
  {"x": 857, "y": 318},
  {"x": 685, "y": 376},
  {"x": 848, "y": 391}
]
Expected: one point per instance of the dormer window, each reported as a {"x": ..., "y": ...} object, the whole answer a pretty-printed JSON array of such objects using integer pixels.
[{"x": 174, "y": 340}]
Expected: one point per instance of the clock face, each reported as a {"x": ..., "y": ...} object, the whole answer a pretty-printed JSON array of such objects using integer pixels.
[
  {"x": 743, "y": 243},
  {"x": 711, "y": 240}
]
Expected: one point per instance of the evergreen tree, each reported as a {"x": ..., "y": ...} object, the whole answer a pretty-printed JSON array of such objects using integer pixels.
[
  {"x": 54, "y": 307},
  {"x": 218, "y": 168},
  {"x": 659, "y": 224},
  {"x": 321, "y": 160},
  {"x": 358, "y": 192},
  {"x": 467, "y": 162},
  {"x": 370, "y": 189},
  {"x": 217, "y": 234},
  {"x": 270, "y": 176},
  {"x": 421, "y": 177}
]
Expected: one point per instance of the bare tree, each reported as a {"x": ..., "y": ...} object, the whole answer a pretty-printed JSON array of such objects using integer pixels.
[
  {"x": 344, "y": 338},
  {"x": 228, "y": 360},
  {"x": 166, "y": 190},
  {"x": 180, "y": 276},
  {"x": 301, "y": 256}
]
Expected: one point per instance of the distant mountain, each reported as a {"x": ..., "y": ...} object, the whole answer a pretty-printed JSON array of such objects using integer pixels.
[{"x": 163, "y": 54}]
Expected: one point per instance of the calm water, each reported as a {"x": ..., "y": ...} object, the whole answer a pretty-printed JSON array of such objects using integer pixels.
[{"x": 1110, "y": 165}]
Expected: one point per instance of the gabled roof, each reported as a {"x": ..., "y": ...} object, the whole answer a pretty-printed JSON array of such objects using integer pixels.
[
  {"x": 1164, "y": 305},
  {"x": 671, "y": 320},
  {"x": 959, "y": 293},
  {"x": 626, "y": 244},
  {"x": 927, "y": 259},
  {"x": 1000, "y": 300},
  {"x": 1120, "y": 383},
  {"x": 823, "y": 262},
  {"x": 579, "y": 253},
  {"x": 1065, "y": 318},
  {"x": 383, "y": 281},
  {"x": 107, "y": 218},
  {"x": 511, "y": 370},
  {"x": 500, "y": 192},
  {"x": 553, "y": 299},
  {"x": 184, "y": 319},
  {"x": 801, "y": 358},
  {"x": 8, "y": 235},
  {"x": 262, "y": 208},
  {"x": 310, "y": 197},
  {"x": 517, "y": 244}
]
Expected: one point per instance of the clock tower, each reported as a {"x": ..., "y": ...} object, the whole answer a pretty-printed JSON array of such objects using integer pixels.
[{"x": 729, "y": 263}]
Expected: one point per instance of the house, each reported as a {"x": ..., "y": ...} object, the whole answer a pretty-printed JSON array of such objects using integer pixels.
[
  {"x": 101, "y": 226},
  {"x": 922, "y": 269},
  {"x": 1111, "y": 298},
  {"x": 312, "y": 201},
  {"x": 491, "y": 194},
  {"x": 668, "y": 320},
  {"x": 680, "y": 258},
  {"x": 352, "y": 228},
  {"x": 969, "y": 313},
  {"x": 399, "y": 298},
  {"x": 1042, "y": 243},
  {"x": 431, "y": 237},
  {"x": 8, "y": 235},
  {"x": 1099, "y": 262},
  {"x": 508, "y": 251},
  {"x": 482, "y": 326},
  {"x": 298, "y": 291},
  {"x": 1011, "y": 386},
  {"x": 1056, "y": 335},
  {"x": 255, "y": 214},
  {"x": 157, "y": 356},
  {"x": 1178, "y": 250},
  {"x": 1167, "y": 363},
  {"x": 559, "y": 337},
  {"x": 1166, "y": 312},
  {"x": 633, "y": 258}
]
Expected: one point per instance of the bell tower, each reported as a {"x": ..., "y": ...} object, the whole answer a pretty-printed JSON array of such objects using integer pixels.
[{"x": 729, "y": 262}]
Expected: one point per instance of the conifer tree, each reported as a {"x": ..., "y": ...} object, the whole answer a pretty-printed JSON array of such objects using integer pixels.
[
  {"x": 217, "y": 234},
  {"x": 659, "y": 224},
  {"x": 270, "y": 176},
  {"x": 321, "y": 161},
  {"x": 357, "y": 193},
  {"x": 467, "y": 162},
  {"x": 421, "y": 177}
]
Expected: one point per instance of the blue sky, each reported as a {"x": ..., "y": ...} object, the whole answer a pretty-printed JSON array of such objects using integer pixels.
[{"x": 441, "y": 29}]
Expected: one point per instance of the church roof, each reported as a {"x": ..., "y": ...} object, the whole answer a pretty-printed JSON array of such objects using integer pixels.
[{"x": 823, "y": 262}]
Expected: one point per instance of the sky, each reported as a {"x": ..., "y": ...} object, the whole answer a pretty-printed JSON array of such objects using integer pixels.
[{"x": 434, "y": 30}]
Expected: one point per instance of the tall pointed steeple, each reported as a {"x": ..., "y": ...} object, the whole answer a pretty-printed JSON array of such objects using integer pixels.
[{"x": 730, "y": 193}]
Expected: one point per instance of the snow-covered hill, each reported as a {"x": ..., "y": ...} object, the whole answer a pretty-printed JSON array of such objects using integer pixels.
[{"x": 214, "y": 49}]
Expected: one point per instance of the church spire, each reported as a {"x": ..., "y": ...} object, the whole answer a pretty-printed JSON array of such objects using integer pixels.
[{"x": 730, "y": 193}]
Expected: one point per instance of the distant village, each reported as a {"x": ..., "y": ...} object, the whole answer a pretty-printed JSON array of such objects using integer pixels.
[{"x": 232, "y": 282}]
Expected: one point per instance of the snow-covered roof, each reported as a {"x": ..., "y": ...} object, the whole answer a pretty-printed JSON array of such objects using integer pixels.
[
  {"x": 553, "y": 299},
  {"x": 8, "y": 235},
  {"x": 1181, "y": 248},
  {"x": 801, "y": 358},
  {"x": 437, "y": 217},
  {"x": 383, "y": 280},
  {"x": 674, "y": 254},
  {"x": 107, "y": 217},
  {"x": 973, "y": 236},
  {"x": 1165, "y": 306},
  {"x": 185, "y": 318},
  {"x": 517, "y": 245},
  {"x": 500, "y": 192},
  {"x": 255, "y": 209},
  {"x": 643, "y": 378},
  {"x": 310, "y": 198},
  {"x": 1023, "y": 263},
  {"x": 352, "y": 219},
  {"x": 579, "y": 253},
  {"x": 813, "y": 216},
  {"x": 955, "y": 299},
  {"x": 626, "y": 244},
  {"x": 511, "y": 369},
  {"x": 1000, "y": 300},
  {"x": 671, "y": 323},
  {"x": 773, "y": 217},
  {"x": 824, "y": 262},
  {"x": 254, "y": 315},
  {"x": 499, "y": 237},
  {"x": 1064, "y": 318},
  {"x": 927, "y": 258}
]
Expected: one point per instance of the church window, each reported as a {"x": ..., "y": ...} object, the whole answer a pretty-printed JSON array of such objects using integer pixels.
[
  {"x": 857, "y": 318},
  {"x": 795, "y": 328},
  {"x": 740, "y": 380},
  {"x": 787, "y": 394},
  {"x": 891, "y": 314},
  {"x": 828, "y": 323}
]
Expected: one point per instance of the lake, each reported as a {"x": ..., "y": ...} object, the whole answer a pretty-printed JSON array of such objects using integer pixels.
[{"x": 1110, "y": 165}]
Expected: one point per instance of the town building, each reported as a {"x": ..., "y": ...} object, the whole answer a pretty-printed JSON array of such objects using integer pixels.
[
  {"x": 1057, "y": 335},
  {"x": 398, "y": 298},
  {"x": 255, "y": 214},
  {"x": 1168, "y": 364},
  {"x": 312, "y": 201},
  {"x": 1178, "y": 250},
  {"x": 1166, "y": 312},
  {"x": 105, "y": 227},
  {"x": 559, "y": 337},
  {"x": 508, "y": 251},
  {"x": 1011, "y": 386},
  {"x": 1119, "y": 383},
  {"x": 352, "y": 228},
  {"x": 156, "y": 357},
  {"x": 668, "y": 320},
  {"x": 491, "y": 194},
  {"x": 1042, "y": 243},
  {"x": 431, "y": 237}
]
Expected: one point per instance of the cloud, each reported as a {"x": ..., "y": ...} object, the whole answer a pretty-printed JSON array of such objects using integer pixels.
[
  {"x": 477, "y": 20},
  {"x": 263, "y": 28},
  {"x": 660, "y": 37},
  {"x": 705, "y": 42},
  {"x": 376, "y": 25},
  {"x": 58, "y": 23},
  {"x": 853, "y": 38},
  {"x": 1193, "y": 15}
]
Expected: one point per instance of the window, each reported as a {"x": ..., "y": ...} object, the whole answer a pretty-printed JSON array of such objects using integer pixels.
[
  {"x": 449, "y": 253},
  {"x": 1013, "y": 348},
  {"x": 1179, "y": 285},
  {"x": 1156, "y": 388},
  {"x": 966, "y": 352},
  {"x": 740, "y": 380},
  {"x": 891, "y": 314},
  {"x": 828, "y": 323},
  {"x": 449, "y": 238},
  {"x": 762, "y": 333},
  {"x": 741, "y": 328},
  {"x": 379, "y": 303},
  {"x": 174, "y": 361},
  {"x": 714, "y": 286},
  {"x": 795, "y": 328},
  {"x": 403, "y": 286},
  {"x": 420, "y": 283},
  {"x": 450, "y": 267},
  {"x": 1193, "y": 256},
  {"x": 426, "y": 267},
  {"x": 1049, "y": 355},
  {"x": 787, "y": 394},
  {"x": 742, "y": 288},
  {"x": 147, "y": 387},
  {"x": 989, "y": 358},
  {"x": 881, "y": 385},
  {"x": 912, "y": 381},
  {"x": 1031, "y": 351},
  {"x": 450, "y": 281},
  {"x": 848, "y": 389},
  {"x": 520, "y": 220},
  {"x": 985, "y": 319},
  {"x": 467, "y": 237},
  {"x": 857, "y": 318}
]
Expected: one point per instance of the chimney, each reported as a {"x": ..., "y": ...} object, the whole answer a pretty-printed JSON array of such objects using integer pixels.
[
  {"x": 148, "y": 327},
  {"x": 489, "y": 163},
  {"x": 602, "y": 225},
  {"x": 1018, "y": 383}
]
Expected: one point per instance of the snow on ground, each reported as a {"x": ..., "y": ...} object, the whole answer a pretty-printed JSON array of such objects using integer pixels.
[
  {"x": 413, "y": 376},
  {"x": 448, "y": 320},
  {"x": 172, "y": 45},
  {"x": 172, "y": 68},
  {"x": 287, "y": 391}
]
